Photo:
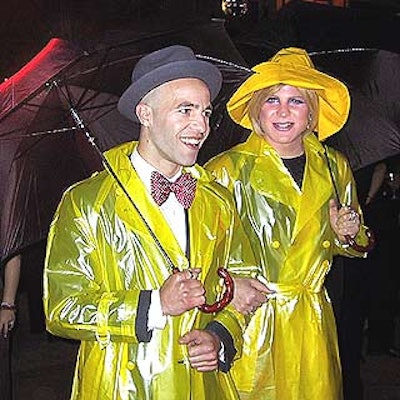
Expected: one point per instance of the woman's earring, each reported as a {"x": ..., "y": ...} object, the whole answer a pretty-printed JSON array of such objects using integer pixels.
[{"x": 309, "y": 122}]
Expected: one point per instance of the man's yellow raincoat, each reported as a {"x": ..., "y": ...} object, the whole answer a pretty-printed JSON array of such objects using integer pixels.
[
  {"x": 101, "y": 259},
  {"x": 290, "y": 350}
]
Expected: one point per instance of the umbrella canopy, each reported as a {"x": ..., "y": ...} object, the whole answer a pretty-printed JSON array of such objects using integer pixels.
[
  {"x": 372, "y": 132},
  {"x": 42, "y": 151}
]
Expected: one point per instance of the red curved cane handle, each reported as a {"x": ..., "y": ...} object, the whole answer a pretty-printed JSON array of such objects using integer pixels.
[
  {"x": 362, "y": 249},
  {"x": 227, "y": 296}
]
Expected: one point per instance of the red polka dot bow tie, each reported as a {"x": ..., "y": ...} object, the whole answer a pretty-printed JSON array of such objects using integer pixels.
[{"x": 184, "y": 188}]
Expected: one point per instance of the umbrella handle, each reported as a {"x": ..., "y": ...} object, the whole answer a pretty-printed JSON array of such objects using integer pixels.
[
  {"x": 362, "y": 249},
  {"x": 227, "y": 296}
]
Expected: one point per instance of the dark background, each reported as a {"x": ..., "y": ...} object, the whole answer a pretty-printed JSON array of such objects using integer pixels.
[
  {"x": 43, "y": 367},
  {"x": 27, "y": 25}
]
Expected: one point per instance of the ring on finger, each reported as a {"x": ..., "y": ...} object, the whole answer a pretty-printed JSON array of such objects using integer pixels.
[{"x": 353, "y": 215}]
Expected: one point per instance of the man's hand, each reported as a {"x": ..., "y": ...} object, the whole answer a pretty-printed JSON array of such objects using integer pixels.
[
  {"x": 344, "y": 221},
  {"x": 203, "y": 349},
  {"x": 249, "y": 295},
  {"x": 181, "y": 292}
]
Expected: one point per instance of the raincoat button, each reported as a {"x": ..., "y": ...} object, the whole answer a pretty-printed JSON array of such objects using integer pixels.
[
  {"x": 326, "y": 244},
  {"x": 275, "y": 244},
  {"x": 130, "y": 365},
  {"x": 325, "y": 263}
]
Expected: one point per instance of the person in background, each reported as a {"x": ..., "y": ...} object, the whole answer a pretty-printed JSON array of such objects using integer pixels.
[
  {"x": 7, "y": 321},
  {"x": 348, "y": 288},
  {"x": 383, "y": 277},
  {"x": 132, "y": 258},
  {"x": 285, "y": 181}
]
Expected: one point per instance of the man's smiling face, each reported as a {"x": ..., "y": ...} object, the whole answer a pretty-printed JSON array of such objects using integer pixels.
[{"x": 176, "y": 121}]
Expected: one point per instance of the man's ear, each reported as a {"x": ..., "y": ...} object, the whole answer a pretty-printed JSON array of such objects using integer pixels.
[{"x": 143, "y": 112}]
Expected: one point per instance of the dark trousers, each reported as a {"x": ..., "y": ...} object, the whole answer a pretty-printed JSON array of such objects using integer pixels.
[
  {"x": 344, "y": 284},
  {"x": 5, "y": 369},
  {"x": 382, "y": 294},
  {"x": 31, "y": 282}
]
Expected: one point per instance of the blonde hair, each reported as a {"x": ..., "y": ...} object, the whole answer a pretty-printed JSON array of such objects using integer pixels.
[{"x": 259, "y": 97}]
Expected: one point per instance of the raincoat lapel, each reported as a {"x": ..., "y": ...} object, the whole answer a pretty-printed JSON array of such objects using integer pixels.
[
  {"x": 203, "y": 225},
  {"x": 317, "y": 185},
  {"x": 137, "y": 191},
  {"x": 269, "y": 175}
]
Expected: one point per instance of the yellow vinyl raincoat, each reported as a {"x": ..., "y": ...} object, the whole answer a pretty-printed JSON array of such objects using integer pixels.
[
  {"x": 101, "y": 258},
  {"x": 290, "y": 350}
]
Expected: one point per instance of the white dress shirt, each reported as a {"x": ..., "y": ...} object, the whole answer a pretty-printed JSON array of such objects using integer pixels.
[
  {"x": 172, "y": 210},
  {"x": 175, "y": 215}
]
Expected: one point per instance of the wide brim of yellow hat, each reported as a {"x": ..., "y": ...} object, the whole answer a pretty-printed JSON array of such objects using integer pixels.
[{"x": 334, "y": 98}]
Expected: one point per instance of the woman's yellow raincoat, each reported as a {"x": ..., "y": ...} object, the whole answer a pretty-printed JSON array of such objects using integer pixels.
[
  {"x": 100, "y": 259},
  {"x": 290, "y": 350}
]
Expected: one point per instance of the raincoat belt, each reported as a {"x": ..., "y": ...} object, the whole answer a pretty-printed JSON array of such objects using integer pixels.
[
  {"x": 283, "y": 290},
  {"x": 282, "y": 294}
]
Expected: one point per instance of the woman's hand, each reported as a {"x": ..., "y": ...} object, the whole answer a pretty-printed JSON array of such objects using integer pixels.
[
  {"x": 249, "y": 294},
  {"x": 344, "y": 221}
]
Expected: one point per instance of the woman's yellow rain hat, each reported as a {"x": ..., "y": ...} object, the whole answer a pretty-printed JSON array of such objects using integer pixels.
[{"x": 293, "y": 66}]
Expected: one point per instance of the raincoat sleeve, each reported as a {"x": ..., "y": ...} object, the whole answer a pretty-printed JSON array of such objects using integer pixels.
[
  {"x": 229, "y": 325},
  {"x": 78, "y": 301},
  {"x": 241, "y": 263},
  {"x": 347, "y": 192}
]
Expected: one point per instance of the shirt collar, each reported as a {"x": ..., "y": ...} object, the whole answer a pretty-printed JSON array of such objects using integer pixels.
[{"x": 144, "y": 169}]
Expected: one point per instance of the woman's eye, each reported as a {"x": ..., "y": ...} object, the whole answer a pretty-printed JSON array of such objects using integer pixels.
[
  {"x": 272, "y": 100},
  {"x": 297, "y": 101}
]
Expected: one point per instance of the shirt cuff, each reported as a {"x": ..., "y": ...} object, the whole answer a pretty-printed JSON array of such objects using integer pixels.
[
  {"x": 221, "y": 353},
  {"x": 156, "y": 318},
  {"x": 341, "y": 244}
]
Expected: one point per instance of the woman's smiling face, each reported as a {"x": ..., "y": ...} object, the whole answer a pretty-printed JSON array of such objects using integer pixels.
[{"x": 283, "y": 119}]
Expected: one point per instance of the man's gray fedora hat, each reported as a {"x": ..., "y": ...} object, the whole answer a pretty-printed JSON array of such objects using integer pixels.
[{"x": 162, "y": 66}]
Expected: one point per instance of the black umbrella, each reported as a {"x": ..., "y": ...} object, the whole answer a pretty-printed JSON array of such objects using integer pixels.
[
  {"x": 42, "y": 149},
  {"x": 372, "y": 132}
]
